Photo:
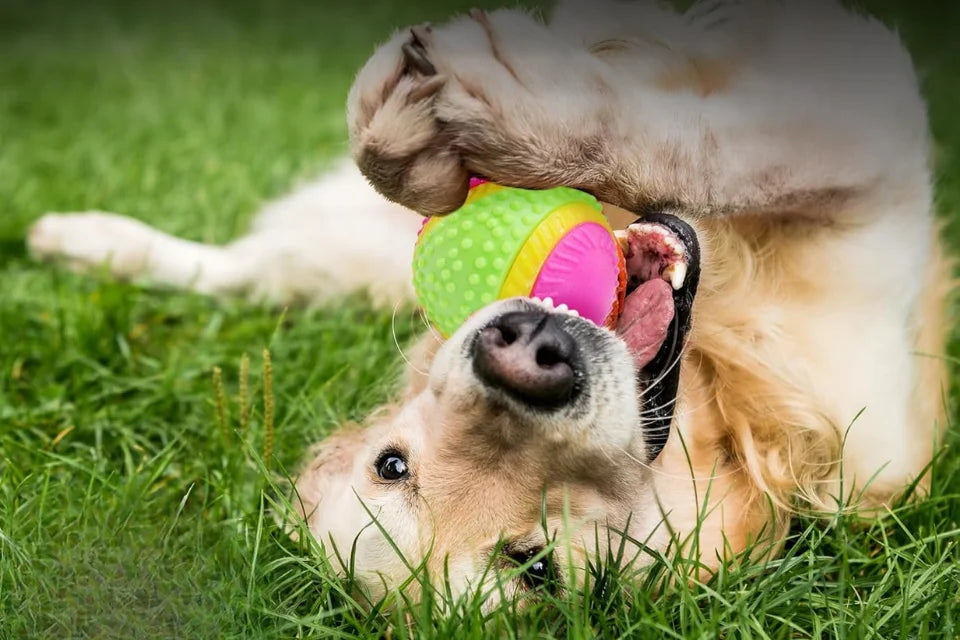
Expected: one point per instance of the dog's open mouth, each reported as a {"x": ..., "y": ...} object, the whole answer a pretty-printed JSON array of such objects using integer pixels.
[
  {"x": 662, "y": 260},
  {"x": 663, "y": 264}
]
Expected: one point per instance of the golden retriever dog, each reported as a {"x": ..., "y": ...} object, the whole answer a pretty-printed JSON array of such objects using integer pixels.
[{"x": 781, "y": 345}]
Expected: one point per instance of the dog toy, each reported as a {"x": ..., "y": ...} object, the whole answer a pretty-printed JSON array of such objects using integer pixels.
[{"x": 505, "y": 242}]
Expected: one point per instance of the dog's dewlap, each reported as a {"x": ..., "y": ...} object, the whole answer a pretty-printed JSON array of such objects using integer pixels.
[{"x": 506, "y": 242}]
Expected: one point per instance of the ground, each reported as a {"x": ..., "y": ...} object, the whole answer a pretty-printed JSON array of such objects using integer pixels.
[{"x": 134, "y": 503}]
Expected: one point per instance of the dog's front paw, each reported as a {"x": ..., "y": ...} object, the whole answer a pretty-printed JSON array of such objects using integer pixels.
[
  {"x": 494, "y": 95},
  {"x": 397, "y": 141}
]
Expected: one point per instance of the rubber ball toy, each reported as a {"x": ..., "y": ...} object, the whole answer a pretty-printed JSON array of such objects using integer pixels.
[{"x": 505, "y": 242}]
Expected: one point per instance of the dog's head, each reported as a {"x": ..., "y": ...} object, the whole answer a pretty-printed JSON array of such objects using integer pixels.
[{"x": 530, "y": 431}]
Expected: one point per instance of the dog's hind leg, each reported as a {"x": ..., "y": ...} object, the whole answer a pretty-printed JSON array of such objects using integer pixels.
[
  {"x": 273, "y": 265},
  {"x": 133, "y": 250},
  {"x": 329, "y": 238}
]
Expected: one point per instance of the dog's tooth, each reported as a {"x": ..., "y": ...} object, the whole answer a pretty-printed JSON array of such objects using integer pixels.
[
  {"x": 574, "y": 313},
  {"x": 676, "y": 273},
  {"x": 536, "y": 299},
  {"x": 548, "y": 301},
  {"x": 563, "y": 307}
]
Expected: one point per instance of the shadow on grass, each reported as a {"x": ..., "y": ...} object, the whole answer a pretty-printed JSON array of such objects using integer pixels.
[{"x": 13, "y": 248}]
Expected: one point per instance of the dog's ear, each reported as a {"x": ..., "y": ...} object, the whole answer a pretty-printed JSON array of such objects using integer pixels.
[
  {"x": 328, "y": 469},
  {"x": 419, "y": 358}
]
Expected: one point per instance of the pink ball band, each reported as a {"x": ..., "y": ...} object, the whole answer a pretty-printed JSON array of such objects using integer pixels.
[
  {"x": 423, "y": 223},
  {"x": 582, "y": 271}
]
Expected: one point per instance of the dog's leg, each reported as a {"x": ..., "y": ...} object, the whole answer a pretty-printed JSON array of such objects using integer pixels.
[
  {"x": 133, "y": 250},
  {"x": 807, "y": 107},
  {"x": 329, "y": 238}
]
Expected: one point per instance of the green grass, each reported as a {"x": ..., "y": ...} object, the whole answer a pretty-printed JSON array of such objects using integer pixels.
[{"x": 126, "y": 511}]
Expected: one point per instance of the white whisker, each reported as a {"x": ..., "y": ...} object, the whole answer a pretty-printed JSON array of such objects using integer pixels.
[
  {"x": 651, "y": 411},
  {"x": 396, "y": 341},
  {"x": 664, "y": 474},
  {"x": 429, "y": 325}
]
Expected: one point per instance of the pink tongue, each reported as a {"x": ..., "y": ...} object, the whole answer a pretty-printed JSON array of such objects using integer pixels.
[{"x": 647, "y": 314}]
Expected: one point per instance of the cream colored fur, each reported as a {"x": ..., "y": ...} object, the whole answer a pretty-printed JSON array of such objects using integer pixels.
[{"x": 791, "y": 135}]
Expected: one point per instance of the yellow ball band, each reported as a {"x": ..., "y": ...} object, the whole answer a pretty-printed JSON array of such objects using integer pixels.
[{"x": 481, "y": 190}]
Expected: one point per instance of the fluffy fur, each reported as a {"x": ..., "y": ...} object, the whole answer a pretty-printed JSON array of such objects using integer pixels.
[{"x": 791, "y": 135}]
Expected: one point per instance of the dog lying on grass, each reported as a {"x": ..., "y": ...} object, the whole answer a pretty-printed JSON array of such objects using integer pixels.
[{"x": 775, "y": 156}]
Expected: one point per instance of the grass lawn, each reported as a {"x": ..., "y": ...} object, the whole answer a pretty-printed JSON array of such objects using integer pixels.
[{"x": 128, "y": 509}]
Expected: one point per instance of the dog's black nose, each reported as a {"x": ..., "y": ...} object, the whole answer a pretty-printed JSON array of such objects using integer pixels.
[{"x": 529, "y": 355}]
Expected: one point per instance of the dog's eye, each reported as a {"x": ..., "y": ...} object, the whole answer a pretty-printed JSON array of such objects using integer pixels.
[
  {"x": 392, "y": 466},
  {"x": 538, "y": 573}
]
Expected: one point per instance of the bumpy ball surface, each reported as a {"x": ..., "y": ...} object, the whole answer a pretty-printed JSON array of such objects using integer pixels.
[{"x": 506, "y": 242}]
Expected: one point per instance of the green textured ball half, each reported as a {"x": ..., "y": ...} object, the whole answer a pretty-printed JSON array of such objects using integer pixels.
[{"x": 462, "y": 260}]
